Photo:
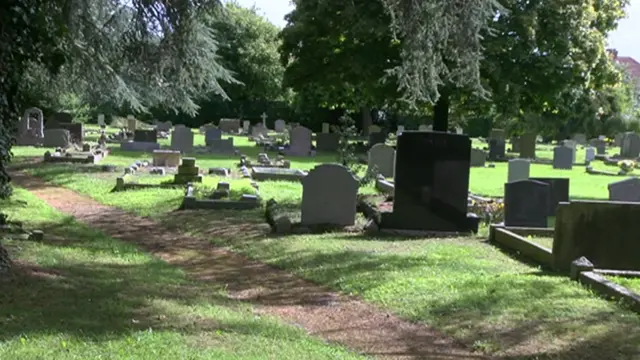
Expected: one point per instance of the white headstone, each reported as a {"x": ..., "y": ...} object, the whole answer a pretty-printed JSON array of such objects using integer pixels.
[
  {"x": 518, "y": 170},
  {"x": 329, "y": 196},
  {"x": 101, "y": 120},
  {"x": 589, "y": 154},
  {"x": 400, "y": 129},
  {"x": 383, "y": 158}
]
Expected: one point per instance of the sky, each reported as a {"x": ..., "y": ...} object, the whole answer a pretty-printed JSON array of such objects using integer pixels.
[{"x": 626, "y": 39}]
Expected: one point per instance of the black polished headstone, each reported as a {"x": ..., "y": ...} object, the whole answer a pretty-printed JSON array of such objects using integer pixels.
[
  {"x": 145, "y": 136},
  {"x": 526, "y": 203},
  {"x": 559, "y": 192},
  {"x": 431, "y": 183}
]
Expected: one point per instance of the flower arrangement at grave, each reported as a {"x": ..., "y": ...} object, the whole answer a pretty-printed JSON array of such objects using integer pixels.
[
  {"x": 626, "y": 166},
  {"x": 491, "y": 212}
]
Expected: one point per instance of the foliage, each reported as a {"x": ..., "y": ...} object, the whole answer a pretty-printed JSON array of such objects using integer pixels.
[
  {"x": 490, "y": 212},
  {"x": 347, "y": 155},
  {"x": 73, "y": 104}
]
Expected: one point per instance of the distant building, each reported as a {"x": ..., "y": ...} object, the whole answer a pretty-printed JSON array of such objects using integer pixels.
[{"x": 631, "y": 65}]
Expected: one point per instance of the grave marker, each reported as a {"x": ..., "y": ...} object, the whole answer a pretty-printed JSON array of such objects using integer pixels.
[
  {"x": 518, "y": 170},
  {"x": 382, "y": 157},
  {"x": 329, "y": 196},
  {"x": 526, "y": 203}
]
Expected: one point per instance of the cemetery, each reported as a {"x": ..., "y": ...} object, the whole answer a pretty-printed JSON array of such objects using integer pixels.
[{"x": 389, "y": 180}]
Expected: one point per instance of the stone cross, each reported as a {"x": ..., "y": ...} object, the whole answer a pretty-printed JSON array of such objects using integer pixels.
[{"x": 264, "y": 119}]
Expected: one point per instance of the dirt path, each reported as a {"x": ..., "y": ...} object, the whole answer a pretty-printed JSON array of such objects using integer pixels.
[{"x": 331, "y": 316}]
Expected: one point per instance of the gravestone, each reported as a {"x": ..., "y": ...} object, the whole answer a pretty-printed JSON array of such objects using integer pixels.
[
  {"x": 182, "y": 139},
  {"x": 211, "y": 135},
  {"x": 627, "y": 190},
  {"x": 259, "y": 130},
  {"x": 496, "y": 149},
  {"x": 589, "y": 154},
  {"x": 497, "y": 134},
  {"x": 559, "y": 188},
  {"x": 630, "y": 145},
  {"x": 377, "y": 138},
  {"x": 515, "y": 144},
  {"x": 601, "y": 147},
  {"x": 563, "y": 158},
  {"x": 221, "y": 146},
  {"x": 76, "y": 130},
  {"x": 187, "y": 172},
  {"x": 280, "y": 125},
  {"x": 229, "y": 125},
  {"x": 300, "y": 141},
  {"x": 327, "y": 142},
  {"x": 604, "y": 232},
  {"x": 573, "y": 146},
  {"x": 246, "y": 126},
  {"x": 168, "y": 158},
  {"x": 431, "y": 183},
  {"x": 325, "y": 128},
  {"x": 423, "y": 127},
  {"x": 101, "y": 122},
  {"x": 382, "y": 157},
  {"x": 31, "y": 128},
  {"x": 400, "y": 129},
  {"x": 580, "y": 138},
  {"x": 528, "y": 146},
  {"x": 56, "y": 138},
  {"x": 526, "y": 203},
  {"x": 147, "y": 136},
  {"x": 478, "y": 158},
  {"x": 131, "y": 123},
  {"x": 618, "y": 139},
  {"x": 518, "y": 170},
  {"x": 164, "y": 126},
  {"x": 60, "y": 118},
  {"x": 329, "y": 196}
]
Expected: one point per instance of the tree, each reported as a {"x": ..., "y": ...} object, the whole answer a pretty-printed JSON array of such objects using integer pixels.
[
  {"x": 336, "y": 54},
  {"x": 107, "y": 47}
]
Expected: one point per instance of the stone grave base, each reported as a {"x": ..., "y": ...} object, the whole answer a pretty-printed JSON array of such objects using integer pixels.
[
  {"x": 583, "y": 271},
  {"x": 124, "y": 183},
  {"x": 15, "y": 230},
  {"x": 385, "y": 187},
  {"x": 287, "y": 221},
  {"x": 86, "y": 157},
  {"x": 593, "y": 171},
  {"x": 514, "y": 240},
  {"x": 139, "y": 146},
  {"x": 276, "y": 174},
  {"x": 190, "y": 202}
]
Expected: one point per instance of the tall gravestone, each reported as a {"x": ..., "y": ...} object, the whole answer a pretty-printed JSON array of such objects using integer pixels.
[
  {"x": 280, "y": 125},
  {"x": 478, "y": 158},
  {"x": 526, "y": 203},
  {"x": 300, "y": 139},
  {"x": 182, "y": 139},
  {"x": 211, "y": 135},
  {"x": 589, "y": 154},
  {"x": 528, "y": 146},
  {"x": 563, "y": 158},
  {"x": 146, "y": 136},
  {"x": 329, "y": 196},
  {"x": 630, "y": 145},
  {"x": 559, "y": 188},
  {"x": 431, "y": 183},
  {"x": 382, "y": 157}
]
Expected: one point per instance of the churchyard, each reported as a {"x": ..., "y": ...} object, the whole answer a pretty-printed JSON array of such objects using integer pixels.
[{"x": 429, "y": 268}]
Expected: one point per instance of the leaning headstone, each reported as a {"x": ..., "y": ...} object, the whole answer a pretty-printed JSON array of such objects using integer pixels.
[
  {"x": 518, "y": 170},
  {"x": 589, "y": 154},
  {"x": 280, "y": 125},
  {"x": 182, "y": 139},
  {"x": 478, "y": 158},
  {"x": 329, "y": 193},
  {"x": 382, "y": 157},
  {"x": 528, "y": 146},
  {"x": 431, "y": 183},
  {"x": 526, "y": 203},
  {"x": 559, "y": 188},
  {"x": 56, "y": 138},
  {"x": 563, "y": 158},
  {"x": 300, "y": 139},
  {"x": 630, "y": 145},
  {"x": 625, "y": 190}
]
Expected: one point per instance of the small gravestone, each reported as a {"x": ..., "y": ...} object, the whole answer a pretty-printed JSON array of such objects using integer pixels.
[
  {"x": 229, "y": 125},
  {"x": 329, "y": 196},
  {"x": 518, "y": 170},
  {"x": 618, "y": 139},
  {"x": 563, "y": 158},
  {"x": 478, "y": 158},
  {"x": 526, "y": 203},
  {"x": 166, "y": 158},
  {"x": 187, "y": 172},
  {"x": 56, "y": 138},
  {"x": 528, "y": 146},
  {"x": 325, "y": 128},
  {"x": 626, "y": 190},
  {"x": 280, "y": 125},
  {"x": 382, "y": 157},
  {"x": 559, "y": 188},
  {"x": 246, "y": 126},
  {"x": 580, "y": 138},
  {"x": 573, "y": 146},
  {"x": 328, "y": 142},
  {"x": 211, "y": 135},
  {"x": 147, "y": 136},
  {"x": 101, "y": 120},
  {"x": 630, "y": 145},
  {"x": 589, "y": 154},
  {"x": 423, "y": 127},
  {"x": 300, "y": 139},
  {"x": 400, "y": 129},
  {"x": 497, "y": 149},
  {"x": 182, "y": 139},
  {"x": 164, "y": 126}
]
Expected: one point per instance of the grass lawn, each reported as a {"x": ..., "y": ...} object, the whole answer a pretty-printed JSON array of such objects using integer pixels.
[
  {"x": 632, "y": 284},
  {"x": 546, "y": 242},
  {"x": 463, "y": 286},
  {"x": 86, "y": 296}
]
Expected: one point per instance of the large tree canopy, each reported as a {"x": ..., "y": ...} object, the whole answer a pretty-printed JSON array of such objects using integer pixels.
[{"x": 107, "y": 47}]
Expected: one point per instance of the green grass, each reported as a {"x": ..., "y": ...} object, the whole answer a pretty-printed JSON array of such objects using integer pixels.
[
  {"x": 83, "y": 295},
  {"x": 632, "y": 284},
  {"x": 463, "y": 287},
  {"x": 546, "y": 242}
]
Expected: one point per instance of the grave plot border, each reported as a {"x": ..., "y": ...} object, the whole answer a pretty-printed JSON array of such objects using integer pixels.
[
  {"x": 275, "y": 177},
  {"x": 89, "y": 159},
  {"x": 514, "y": 239},
  {"x": 592, "y": 171},
  {"x": 122, "y": 185},
  {"x": 582, "y": 271},
  {"x": 189, "y": 202}
]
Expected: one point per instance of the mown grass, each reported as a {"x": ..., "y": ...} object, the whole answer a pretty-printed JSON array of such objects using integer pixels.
[
  {"x": 83, "y": 295},
  {"x": 463, "y": 286},
  {"x": 546, "y": 242},
  {"x": 632, "y": 284}
]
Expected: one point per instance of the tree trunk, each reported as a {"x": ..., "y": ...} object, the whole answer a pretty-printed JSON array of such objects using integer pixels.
[
  {"x": 366, "y": 119},
  {"x": 441, "y": 112}
]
